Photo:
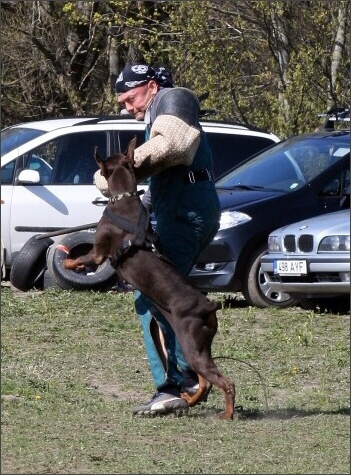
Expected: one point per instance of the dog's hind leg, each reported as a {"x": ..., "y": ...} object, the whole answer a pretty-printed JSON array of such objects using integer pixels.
[
  {"x": 215, "y": 377},
  {"x": 209, "y": 374},
  {"x": 196, "y": 343},
  {"x": 228, "y": 389}
]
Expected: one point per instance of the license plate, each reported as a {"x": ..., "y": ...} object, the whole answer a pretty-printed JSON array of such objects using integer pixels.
[{"x": 290, "y": 267}]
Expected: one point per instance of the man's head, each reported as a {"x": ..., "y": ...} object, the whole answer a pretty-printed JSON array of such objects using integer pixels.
[{"x": 137, "y": 85}]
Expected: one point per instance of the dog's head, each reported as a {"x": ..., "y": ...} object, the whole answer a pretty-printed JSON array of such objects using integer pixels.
[{"x": 118, "y": 169}]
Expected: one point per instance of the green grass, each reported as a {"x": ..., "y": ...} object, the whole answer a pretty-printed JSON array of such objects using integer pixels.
[{"x": 73, "y": 364}]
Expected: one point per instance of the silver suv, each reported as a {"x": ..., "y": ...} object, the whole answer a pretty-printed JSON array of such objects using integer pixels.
[{"x": 47, "y": 169}]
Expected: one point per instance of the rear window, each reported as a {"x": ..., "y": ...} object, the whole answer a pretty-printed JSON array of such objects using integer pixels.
[
  {"x": 12, "y": 138},
  {"x": 229, "y": 150}
]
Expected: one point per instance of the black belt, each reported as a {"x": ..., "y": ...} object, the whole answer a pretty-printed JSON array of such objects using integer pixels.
[{"x": 198, "y": 175}]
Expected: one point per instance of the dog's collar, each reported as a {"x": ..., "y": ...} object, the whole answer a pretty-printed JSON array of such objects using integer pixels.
[{"x": 127, "y": 194}]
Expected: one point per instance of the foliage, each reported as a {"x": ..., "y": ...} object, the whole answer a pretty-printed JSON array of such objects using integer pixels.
[{"x": 274, "y": 64}]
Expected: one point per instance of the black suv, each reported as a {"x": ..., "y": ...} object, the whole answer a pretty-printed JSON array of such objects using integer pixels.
[{"x": 294, "y": 179}]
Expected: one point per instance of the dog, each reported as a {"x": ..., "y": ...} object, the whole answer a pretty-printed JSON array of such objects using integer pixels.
[{"x": 124, "y": 236}]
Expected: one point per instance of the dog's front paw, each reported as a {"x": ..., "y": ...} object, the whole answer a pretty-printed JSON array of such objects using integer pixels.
[{"x": 71, "y": 264}]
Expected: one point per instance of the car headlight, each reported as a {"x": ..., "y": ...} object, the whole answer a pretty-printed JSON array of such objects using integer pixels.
[
  {"x": 230, "y": 219},
  {"x": 334, "y": 243},
  {"x": 274, "y": 244}
]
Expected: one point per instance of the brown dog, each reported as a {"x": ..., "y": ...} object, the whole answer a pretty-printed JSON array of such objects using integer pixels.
[{"x": 119, "y": 237}]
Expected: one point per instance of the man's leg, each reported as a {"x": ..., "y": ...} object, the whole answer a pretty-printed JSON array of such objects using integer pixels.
[
  {"x": 168, "y": 366},
  {"x": 161, "y": 357},
  {"x": 160, "y": 343}
]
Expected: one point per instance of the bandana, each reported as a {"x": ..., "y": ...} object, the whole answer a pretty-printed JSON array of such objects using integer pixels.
[{"x": 140, "y": 74}]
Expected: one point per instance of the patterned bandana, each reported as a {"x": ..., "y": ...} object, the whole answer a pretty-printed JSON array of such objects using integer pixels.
[{"x": 140, "y": 74}]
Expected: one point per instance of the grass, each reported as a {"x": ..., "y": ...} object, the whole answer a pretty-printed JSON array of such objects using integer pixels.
[{"x": 73, "y": 364}]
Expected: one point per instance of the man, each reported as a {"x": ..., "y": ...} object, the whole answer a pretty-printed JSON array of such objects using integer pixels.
[{"x": 177, "y": 157}]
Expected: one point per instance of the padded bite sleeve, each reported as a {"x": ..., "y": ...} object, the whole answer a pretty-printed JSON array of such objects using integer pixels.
[{"x": 172, "y": 142}]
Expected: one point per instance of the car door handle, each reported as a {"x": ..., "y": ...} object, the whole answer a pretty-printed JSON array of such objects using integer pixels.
[{"x": 99, "y": 201}]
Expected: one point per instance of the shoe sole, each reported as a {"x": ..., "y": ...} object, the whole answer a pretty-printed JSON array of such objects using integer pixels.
[{"x": 172, "y": 413}]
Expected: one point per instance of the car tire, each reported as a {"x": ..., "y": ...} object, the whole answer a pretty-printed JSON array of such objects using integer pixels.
[
  {"x": 255, "y": 288},
  {"x": 29, "y": 264},
  {"x": 49, "y": 280},
  {"x": 326, "y": 305},
  {"x": 49, "y": 275},
  {"x": 73, "y": 245}
]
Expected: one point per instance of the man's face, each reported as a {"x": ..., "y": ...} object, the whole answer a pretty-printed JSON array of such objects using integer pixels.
[{"x": 137, "y": 100}]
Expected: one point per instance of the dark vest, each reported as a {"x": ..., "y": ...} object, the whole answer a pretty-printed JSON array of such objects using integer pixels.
[{"x": 166, "y": 185}]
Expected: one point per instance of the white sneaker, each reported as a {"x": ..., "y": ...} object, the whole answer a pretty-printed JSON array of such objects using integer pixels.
[{"x": 162, "y": 403}]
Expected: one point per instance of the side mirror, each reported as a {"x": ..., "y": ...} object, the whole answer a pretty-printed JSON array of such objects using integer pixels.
[
  {"x": 332, "y": 189},
  {"x": 28, "y": 176}
]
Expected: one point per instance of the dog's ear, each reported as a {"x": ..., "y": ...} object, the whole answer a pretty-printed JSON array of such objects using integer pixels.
[
  {"x": 131, "y": 148},
  {"x": 97, "y": 155},
  {"x": 100, "y": 162}
]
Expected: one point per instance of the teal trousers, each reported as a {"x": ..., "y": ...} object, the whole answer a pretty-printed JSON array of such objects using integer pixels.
[{"x": 181, "y": 242}]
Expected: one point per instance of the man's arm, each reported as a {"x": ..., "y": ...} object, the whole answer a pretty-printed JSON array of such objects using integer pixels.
[{"x": 174, "y": 135}]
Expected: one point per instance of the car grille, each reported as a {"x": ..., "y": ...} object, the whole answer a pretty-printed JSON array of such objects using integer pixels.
[
  {"x": 306, "y": 279},
  {"x": 303, "y": 243}
]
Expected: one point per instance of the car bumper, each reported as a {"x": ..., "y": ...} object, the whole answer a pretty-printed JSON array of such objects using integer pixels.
[
  {"x": 324, "y": 278},
  {"x": 219, "y": 279},
  {"x": 215, "y": 268}
]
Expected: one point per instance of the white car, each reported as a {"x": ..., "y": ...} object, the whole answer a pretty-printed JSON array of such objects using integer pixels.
[
  {"x": 310, "y": 260},
  {"x": 47, "y": 170}
]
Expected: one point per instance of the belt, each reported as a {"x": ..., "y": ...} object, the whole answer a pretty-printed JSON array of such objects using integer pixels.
[{"x": 198, "y": 175}]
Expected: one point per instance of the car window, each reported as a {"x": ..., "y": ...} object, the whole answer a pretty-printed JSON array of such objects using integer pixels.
[
  {"x": 339, "y": 185},
  {"x": 229, "y": 149},
  {"x": 288, "y": 164},
  {"x": 312, "y": 159},
  {"x": 13, "y": 138},
  {"x": 123, "y": 138},
  {"x": 69, "y": 159},
  {"x": 7, "y": 172},
  {"x": 42, "y": 160},
  {"x": 74, "y": 162}
]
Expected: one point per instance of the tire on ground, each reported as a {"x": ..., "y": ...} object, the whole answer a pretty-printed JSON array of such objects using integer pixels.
[
  {"x": 73, "y": 245},
  {"x": 29, "y": 264},
  {"x": 255, "y": 288},
  {"x": 49, "y": 276}
]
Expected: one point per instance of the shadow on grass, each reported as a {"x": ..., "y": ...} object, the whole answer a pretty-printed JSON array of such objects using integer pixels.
[
  {"x": 230, "y": 301},
  {"x": 281, "y": 414}
]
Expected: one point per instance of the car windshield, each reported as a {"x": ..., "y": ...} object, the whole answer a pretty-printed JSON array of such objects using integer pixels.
[
  {"x": 12, "y": 138},
  {"x": 288, "y": 164}
]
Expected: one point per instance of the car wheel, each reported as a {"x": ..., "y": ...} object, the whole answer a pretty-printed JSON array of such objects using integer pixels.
[
  {"x": 74, "y": 245},
  {"x": 30, "y": 264},
  {"x": 329, "y": 305},
  {"x": 255, "y": 288}
]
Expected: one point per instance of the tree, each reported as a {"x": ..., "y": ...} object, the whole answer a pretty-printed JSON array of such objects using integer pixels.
[{"x": 275, "y": 64}]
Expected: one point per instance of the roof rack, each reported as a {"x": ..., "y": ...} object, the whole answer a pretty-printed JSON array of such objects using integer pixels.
[
  {"x": 101, "y": 118},
  {"x": 335, "y": 114}
]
